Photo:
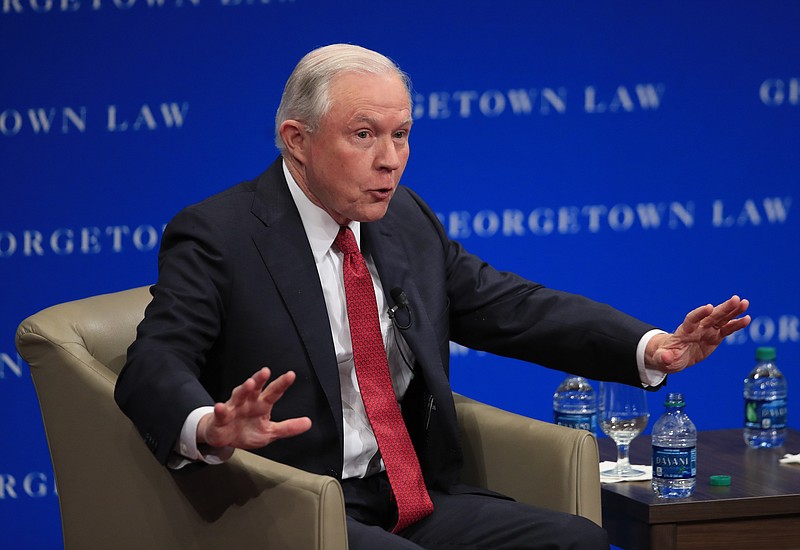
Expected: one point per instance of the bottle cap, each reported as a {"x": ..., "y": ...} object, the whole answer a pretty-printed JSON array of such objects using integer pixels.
[
  {"x": 765, "y": 354},
  {"x": 675, "y": 400},
  {"x": 720, "y": 481}
]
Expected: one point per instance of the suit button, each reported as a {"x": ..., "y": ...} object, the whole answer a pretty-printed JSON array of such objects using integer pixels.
[
  {"x": 151, "y": 442},
  {"x": 333, "y": 473}
]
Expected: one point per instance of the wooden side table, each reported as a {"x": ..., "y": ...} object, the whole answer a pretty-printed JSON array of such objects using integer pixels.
[{"x": 760, "y": 509}]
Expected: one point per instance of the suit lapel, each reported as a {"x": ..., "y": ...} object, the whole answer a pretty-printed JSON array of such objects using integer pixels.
[
  {"x": 282, "y": 243},
  {"x": 391, "y": 260}
]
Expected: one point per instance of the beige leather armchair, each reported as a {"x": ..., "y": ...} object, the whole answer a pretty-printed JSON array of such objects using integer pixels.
[{"x": 113, "y": 494}]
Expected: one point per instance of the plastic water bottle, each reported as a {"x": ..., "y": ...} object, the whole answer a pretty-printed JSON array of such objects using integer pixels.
[
  {"x": 575, "y": 404},
  {"x": 765, "y": 402},
  {"x": 674, "y": 451}
]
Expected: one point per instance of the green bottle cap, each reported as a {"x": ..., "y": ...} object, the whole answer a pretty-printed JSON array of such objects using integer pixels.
[
  {"x": 674, "y": 400},
  {"x": 720, "y": 481},
  {"x": 765, "y": 354}
]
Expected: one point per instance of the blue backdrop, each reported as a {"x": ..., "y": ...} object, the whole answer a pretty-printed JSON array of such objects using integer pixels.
[{"x": 643, "y": 154}]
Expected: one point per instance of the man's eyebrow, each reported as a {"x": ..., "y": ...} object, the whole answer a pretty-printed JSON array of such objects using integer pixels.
[
  {"x": 374, "y": 122},
  {"x": 363, "y": 118}
]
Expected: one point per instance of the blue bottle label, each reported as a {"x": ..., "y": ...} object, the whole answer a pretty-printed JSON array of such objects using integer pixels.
[
  {"x": 584, "y": 421},
  {"x": 765, "y": 415},
  {"x": 674, "y": 463}
]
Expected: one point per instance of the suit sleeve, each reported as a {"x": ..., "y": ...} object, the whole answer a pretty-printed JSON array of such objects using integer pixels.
[
  {"x": 161, "y": 381},
  {"x": 504, "y": 314}
]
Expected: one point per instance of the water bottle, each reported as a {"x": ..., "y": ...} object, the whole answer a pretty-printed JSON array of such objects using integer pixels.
[
  {"x": 575, "y": 404},
  {"x": 765, "y": 402},
  {"x": 674, "y": 451}
]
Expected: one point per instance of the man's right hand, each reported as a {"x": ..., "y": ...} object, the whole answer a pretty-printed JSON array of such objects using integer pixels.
[{"x": 244, "y": 421}]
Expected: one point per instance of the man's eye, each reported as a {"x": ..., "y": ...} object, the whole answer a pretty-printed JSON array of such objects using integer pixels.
[{"x": 363, "y": 134}]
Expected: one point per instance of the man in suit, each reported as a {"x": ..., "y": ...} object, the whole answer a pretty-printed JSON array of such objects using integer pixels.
[{"x": 251, "y": 288}]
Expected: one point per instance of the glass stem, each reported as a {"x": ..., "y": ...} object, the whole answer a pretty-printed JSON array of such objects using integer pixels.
[{"x": 623, "y": 462}]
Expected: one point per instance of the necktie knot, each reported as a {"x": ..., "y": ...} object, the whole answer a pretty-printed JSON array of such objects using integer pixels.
[{"x": 346, "y": 241}]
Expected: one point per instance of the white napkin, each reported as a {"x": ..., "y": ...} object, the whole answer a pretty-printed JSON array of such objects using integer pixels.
[
  {"x": 790, "y": 459},
  {"x": 607, "y": 465}
]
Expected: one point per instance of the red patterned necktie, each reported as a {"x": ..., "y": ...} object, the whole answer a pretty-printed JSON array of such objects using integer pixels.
[{"x": 377, "y": 392}]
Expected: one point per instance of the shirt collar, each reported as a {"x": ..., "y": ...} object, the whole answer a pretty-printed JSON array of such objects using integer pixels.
[{"x": 321, "y": 229}]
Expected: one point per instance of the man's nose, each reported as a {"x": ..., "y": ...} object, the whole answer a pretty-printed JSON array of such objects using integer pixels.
[{"x": 387, "y": 156}]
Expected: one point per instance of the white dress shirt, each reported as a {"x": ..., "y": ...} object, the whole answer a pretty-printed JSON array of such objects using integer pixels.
[{"x": 360, "y": 445}]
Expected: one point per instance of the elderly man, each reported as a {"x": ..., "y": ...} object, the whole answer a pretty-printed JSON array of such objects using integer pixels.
[{"x": 327, "y": 275}]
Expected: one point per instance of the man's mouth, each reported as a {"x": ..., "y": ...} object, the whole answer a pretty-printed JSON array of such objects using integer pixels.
[{"x": 382, "y": 193}]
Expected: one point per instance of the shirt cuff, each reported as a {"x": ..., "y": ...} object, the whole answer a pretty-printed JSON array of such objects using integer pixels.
[
  {"x": 186, "y": 450},
  {"x": 649, "y": 377}
]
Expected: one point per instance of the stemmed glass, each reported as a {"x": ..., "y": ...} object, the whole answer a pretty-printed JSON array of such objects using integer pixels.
[{"x": 623, "y": 415}]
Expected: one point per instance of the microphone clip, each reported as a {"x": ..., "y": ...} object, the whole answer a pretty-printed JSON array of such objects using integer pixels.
[{"x": 400, "y": 313}]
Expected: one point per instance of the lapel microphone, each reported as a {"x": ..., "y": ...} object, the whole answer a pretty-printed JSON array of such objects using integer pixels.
[{"x": 401, "y": 301}]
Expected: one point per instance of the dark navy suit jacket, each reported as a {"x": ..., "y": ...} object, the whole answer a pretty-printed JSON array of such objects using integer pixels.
[{"x": 238, "y": 290}]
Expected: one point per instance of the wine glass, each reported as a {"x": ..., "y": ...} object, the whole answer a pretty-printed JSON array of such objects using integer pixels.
[{"x": 623, "y": 416}]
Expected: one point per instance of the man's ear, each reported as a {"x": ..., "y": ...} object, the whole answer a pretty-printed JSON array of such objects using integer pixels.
[{"x": 295, "y": 139}]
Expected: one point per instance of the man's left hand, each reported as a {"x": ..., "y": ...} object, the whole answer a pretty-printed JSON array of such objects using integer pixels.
[{"x": 700, "y": 333}]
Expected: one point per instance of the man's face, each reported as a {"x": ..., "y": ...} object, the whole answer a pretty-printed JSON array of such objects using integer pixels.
[{"x": 355, "y": 159}]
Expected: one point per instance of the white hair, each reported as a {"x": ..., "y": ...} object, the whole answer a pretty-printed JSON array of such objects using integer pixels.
[{"x": 306, "y": 96}]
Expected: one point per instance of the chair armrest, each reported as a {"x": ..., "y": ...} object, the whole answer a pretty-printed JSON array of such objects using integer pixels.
[
  {"x": 531, "y": 461},
  {"x": 114, "y": 494},
  {"x": 278, "y": 506}
]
